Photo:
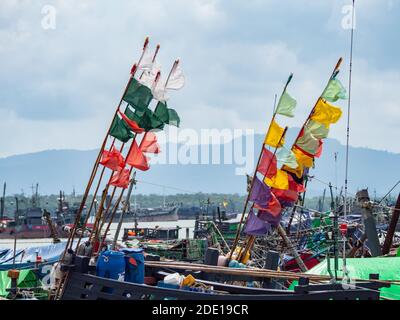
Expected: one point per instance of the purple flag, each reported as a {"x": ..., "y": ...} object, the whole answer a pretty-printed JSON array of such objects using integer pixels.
[
  {"x": 260, "y": 193},
  {"x": 256, "y": 226},
  {"x": 267, "y": 217}
]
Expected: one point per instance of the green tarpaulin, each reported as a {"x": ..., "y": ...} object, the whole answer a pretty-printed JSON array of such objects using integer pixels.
[
  {"x": 388, "y": 268},
  {"x": 27, "y": 279}
]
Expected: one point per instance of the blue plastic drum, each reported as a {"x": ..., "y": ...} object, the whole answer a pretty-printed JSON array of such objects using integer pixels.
[
  {"x": 134, "y": 265},
  {"x": 111, "y": 265}
]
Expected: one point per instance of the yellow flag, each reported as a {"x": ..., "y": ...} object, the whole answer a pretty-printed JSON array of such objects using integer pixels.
[
  {"x": 326, "y": 113},
  {"x": 274, "y": 134},
  {"x": 302, "y": 158},
  {"x": 279, "y": 181}
]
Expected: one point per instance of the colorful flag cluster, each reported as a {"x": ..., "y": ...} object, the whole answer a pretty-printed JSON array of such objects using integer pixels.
[
  {"x": 139, "y": 118},
  {"x": 281, "y": 187}
]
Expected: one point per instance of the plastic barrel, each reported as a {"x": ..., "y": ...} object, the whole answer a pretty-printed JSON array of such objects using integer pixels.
[
  {"x": 134, "y": 265},
  {"x": 111, "y": 264}
]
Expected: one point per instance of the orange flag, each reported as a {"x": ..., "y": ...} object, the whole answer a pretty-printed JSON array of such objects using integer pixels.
[
  {"x": 149, "y": 143},
  {"x": 120, "y": 179},
  {"x": 136, "y": 158}
]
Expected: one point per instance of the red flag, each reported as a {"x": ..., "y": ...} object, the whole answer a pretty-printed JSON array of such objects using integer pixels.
[
  {"x": 132, "y": 124},
  {"x": 268, "y": 164},
  {"x": 319, "y": 150},
  {"x": 137, "y": 159},
  {"x": 292, "y": 193},
  {"x": 120, "y": 179},
  {"x": 112, "y": 159},
  {"x": 149, "y": 143}
]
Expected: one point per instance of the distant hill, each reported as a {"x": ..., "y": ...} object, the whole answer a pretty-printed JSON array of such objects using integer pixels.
[{"x": 66, "y": 169}]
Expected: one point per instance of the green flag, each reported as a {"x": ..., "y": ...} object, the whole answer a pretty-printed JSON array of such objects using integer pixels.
[
  {"x": 334, "y": 91},
  {"x": 286, "y": 105},
  {"x": 137, "y": 95},
  {"x": 318, "y": 130},
  {"x": 120, "y": 130},
  {"x": 286, "y": 157},
  {"x": 167, "y": 115},
  {"x": 146, "y": 119}
]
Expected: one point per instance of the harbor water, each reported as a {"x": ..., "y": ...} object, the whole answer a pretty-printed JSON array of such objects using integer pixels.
[{"x": 183, "y": 224}]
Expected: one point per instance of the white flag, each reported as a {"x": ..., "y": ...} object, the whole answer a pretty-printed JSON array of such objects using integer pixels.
[
  {"x": 159, "y": 92},
  {"x": 148, "y": 76},
  {"x": 146, "y": 64},
  {"x": 176, "y": 79}
]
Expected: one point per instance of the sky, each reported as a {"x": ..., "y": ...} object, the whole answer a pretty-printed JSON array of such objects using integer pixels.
[{"x": 59, "y": 86}]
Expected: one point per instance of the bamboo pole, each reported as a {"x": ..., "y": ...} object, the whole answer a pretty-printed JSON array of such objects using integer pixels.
[
  {"x": 255, "y": 173},
  {"x": 251, "y": 239},
  {"x": 122, "y": 146},
  {"x": 96, "y": 164},
  {"x": 94, "y": 170},
  {"x": 175, "y": 65}
]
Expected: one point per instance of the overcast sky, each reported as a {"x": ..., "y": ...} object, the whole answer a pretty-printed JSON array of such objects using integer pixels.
[{"x": 59, "y": 87}]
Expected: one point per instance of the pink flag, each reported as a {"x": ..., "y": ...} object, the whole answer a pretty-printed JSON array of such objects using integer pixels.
[
  {"x": 137, "y": 159},
  {"x": 149, "y": 143}
]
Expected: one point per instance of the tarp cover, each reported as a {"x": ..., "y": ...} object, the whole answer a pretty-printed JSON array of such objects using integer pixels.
[
  {"x": 26, "y": 279},
  {"x": 388, "y": 268}
]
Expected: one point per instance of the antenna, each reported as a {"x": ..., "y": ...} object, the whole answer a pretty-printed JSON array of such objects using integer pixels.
[{"x": 348, "y": 114}]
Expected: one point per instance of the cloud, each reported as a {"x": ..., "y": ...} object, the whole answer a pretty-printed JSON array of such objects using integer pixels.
[{"x": 59, "y": 87}]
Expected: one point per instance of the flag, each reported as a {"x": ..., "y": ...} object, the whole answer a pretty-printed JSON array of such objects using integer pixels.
[
  {"x": 160, "y": 92},
  {"x": 334, "y": 91},
  {"x": 286, "y": 157},
  {"x": 149, "y": 143},
  {"x": 297, "y": 171},
  {"x": 120, "y": 179},
  {"x": 120, "y": 130},
  {"x": 112, "y": 159},
  {"x": 137, "y": 95},
  {"x": 308, "y": 143},
  {"x": 267, "y": 165},
  {"x": 136, "y": 158},
  {"x": 279, "y": 181},
  {"x": 291, "y": 194},
  {"x": 274, "y": 136},
  {"x": 145, "y": 119},
  {"x": 260, "y": 194},
  {"x": 167, "y": 115},
  {"x": 286, "y": 105},
  {"x": 302, "y": 158},
  {"x": 131, "y": 123},
  {"x": 318, "y": 130},
  {"x": 326, "y": 113},
  {"x": 255, "y": 226},
  {"x": 272, "y": 213},
  {"x": 146, "y": 63},
  {"x": 148, "y": 77},
  {"x": 176, "y": 79}
]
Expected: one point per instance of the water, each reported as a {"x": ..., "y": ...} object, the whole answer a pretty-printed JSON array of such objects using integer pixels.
[{"x": 23, "y": 243}]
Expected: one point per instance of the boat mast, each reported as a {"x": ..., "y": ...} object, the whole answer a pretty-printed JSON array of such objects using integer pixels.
[
  {"x": 348, "y": 113},
  {"x": 3, "y": 200}
]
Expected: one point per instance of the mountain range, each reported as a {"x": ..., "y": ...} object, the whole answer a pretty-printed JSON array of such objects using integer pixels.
[{"x": 66, "y": 170}]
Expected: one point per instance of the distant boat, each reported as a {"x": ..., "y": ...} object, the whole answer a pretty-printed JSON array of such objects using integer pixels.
[{"x": 158, "y": 214}]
